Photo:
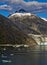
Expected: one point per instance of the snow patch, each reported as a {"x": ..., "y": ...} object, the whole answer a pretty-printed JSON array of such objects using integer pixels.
[
  {"x": 21, "y": 14},
  {"x": 44, "y": 19}
]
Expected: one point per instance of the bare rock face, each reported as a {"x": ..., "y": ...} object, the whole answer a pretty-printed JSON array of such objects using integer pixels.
[
  {"x": 29, "y": 23},
  {"x": 17, "y": 28},
  {"x": 11, "y": 33}
]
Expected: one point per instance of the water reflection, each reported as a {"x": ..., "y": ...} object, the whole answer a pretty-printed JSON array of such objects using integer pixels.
[{"x": 32, "y": 56}]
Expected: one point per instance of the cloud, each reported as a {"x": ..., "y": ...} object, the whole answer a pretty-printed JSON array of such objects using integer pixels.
[
  {"x": 5, "y": 7},
  {"x": 33, "y": 6},
  {"x": 3, "y": 0}
]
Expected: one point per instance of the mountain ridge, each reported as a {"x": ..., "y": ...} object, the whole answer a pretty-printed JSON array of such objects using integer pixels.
[
  {"x": 29, "y": 20},
  {"x": 10, "y": 33}
]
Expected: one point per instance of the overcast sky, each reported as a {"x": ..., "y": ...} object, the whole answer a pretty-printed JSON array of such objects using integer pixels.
[{"x": 38, "y": 7}]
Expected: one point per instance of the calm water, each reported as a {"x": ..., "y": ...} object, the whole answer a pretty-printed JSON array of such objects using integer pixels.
[{"x": 33, "y": 56}]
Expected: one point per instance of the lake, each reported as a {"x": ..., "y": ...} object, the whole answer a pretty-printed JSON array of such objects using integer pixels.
[{"x": 27, "y": 56}]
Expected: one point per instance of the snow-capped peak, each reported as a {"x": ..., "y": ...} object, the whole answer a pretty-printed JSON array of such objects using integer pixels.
[{"x": 21, "y": 14}]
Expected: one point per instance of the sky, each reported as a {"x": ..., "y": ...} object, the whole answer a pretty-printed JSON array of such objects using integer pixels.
[
  {"x": 37, "y": 7},
  {"x": 36, "y": 0}
]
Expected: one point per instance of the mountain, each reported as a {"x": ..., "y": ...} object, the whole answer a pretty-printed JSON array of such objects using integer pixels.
[
  {"x": 18, "y": 28},
  {"x": 11, "y": 33},
  {"x": 20, "y": 11},
  {"x": 29, "y": 23}
]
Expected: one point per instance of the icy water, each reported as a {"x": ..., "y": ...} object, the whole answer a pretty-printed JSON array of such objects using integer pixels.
[{"x": 16, "y": 56}]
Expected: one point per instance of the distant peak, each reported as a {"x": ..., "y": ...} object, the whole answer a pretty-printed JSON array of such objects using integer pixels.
[{"x": 21, "y": 11}]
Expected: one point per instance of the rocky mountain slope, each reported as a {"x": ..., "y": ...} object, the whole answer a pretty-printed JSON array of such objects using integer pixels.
[
  {"x": 29, "y": 23},
  {"x": 11, "y": 33},
  {"x": 16, "y": 29}
]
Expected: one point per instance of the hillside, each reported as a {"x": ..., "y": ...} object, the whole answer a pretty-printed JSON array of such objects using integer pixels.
[
  {"x": 11, "y": 33},
  {"x": 29, "y": 23}
]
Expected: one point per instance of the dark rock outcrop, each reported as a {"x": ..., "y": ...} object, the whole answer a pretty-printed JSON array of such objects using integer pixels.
[{"x": 20, "y": 11}]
